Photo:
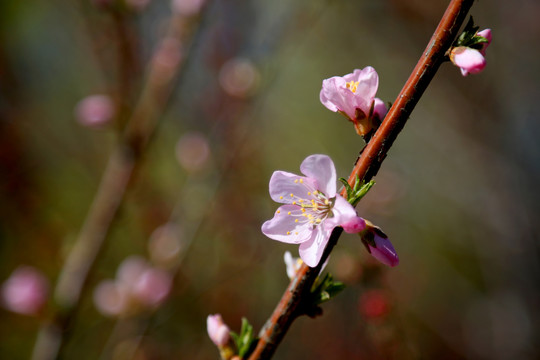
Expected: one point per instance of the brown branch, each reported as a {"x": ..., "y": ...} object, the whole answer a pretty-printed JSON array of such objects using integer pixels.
[
  {"x": 115, "y": 182},
  {"x": 291, "y": 303}
]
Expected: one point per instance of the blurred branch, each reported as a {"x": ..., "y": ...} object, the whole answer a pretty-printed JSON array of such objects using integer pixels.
[
  {"x": 367, "y": 165},
  {"x": 123, "y": 163}
]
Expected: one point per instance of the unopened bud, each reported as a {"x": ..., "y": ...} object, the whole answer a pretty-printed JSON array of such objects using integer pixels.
[{"x": 217, "y": 330}]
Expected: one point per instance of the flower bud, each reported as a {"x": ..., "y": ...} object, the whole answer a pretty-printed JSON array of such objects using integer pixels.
[
  {"x": 469, "y": 60},
  {"x": 486, "y": 33},
  {"x": 25, "y": 291},
  {"x": 379, "y": 246},
  {"x": 217, "y": 330},
  {"x": 95, "y": 110},
  {"x": 152, "y": 287}
]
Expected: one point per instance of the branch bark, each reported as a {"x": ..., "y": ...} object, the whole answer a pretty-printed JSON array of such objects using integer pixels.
[{"x": 367, "y": 166}]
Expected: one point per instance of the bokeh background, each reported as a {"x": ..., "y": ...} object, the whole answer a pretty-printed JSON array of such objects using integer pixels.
[{"x": 458, "y": 193}]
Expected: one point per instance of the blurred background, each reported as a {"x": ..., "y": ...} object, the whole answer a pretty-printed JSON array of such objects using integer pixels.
[{"x": 458, "y": 193}]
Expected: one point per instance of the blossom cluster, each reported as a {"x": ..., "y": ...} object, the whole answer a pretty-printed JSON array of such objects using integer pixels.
[{"x": 137, "y": 286}]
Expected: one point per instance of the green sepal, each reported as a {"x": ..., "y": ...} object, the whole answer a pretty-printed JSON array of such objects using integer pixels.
[
  {"x": 325, "y": 289},
  {"x": 245, "y": 341},
  {"x": 468, "y": 37}
]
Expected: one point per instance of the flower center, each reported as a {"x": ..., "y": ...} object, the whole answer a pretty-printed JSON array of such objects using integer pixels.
[
  {"x": 352, "y": 85},
  {"x": 314, "y": 209}
]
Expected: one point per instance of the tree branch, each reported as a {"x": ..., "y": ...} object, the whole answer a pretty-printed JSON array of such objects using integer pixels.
[
  {"x": 367, "y": 166},
  {"x": 123, "y": 163}
]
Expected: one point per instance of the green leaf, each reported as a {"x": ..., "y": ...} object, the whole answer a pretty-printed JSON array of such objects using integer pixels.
[
  {"x": 244, "y": 341},
  {"x": 325, "y": 289},
  {"x": 347, "y": 187}
]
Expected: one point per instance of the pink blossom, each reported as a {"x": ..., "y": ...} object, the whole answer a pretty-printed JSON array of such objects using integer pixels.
[
  {"x": 152, "y": 287},
  {"x": 353, "y": 95},
  {"x": 217, "y": 330},
  {"x": 381, "y": 248},
  {"x": 469, "y": 60},
  {"x": 95, "y": 110},
  {"x": 26, "y": 291},
  {"x": 111, "y": 299},
  {"x": 312, "y": 207}
]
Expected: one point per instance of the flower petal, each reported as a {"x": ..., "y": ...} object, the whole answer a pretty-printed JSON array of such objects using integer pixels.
[
  {"x": 343, "y": 211},
  {"x": 379, "y": 109},
  {"x": 469, "y": 60},
  {"x": 311, "y": 251},
  {"x": 288, "y": 225},
  {"x": 322, "y": 169},
  {"x": 283, "y": 184}
]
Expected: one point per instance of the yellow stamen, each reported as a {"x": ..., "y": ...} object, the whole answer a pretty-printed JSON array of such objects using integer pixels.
[
  {"x": 288, "y": 233},
  {"x": 295, "y": 220},
  {"x": 289, "y": 213},
  {"x": 351, "y": 85},
  {"x": 281, "y": 197}
]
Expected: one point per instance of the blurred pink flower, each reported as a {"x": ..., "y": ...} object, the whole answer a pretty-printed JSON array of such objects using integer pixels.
[
  {"x": 26, "y": 291},
  {"x": 217, "y": 330},
  {"x": 353, "y": 95},
  {"x": 137, "y": 286},
  {"x": 111, "y": 299},
  {"x": 187, "y": 7},
  {"x": 239, "y": 77},
  {"x": 95, "y": 110},
  {"x": 152, "y": 287},
  {"x": 193, "y": 151},
  {"x": 380, "y": 247},
  {"x": 312, "y": 207}
]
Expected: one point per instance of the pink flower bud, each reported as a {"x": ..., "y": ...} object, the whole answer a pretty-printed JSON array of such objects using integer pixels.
[
  {"x": 486, "y": 33},
  {"x": 131, "y": 270},
  {"x": 153, "y": 287},
  {"x": 95, "y": 110},
  {"x": 354, "y": 226},
  {"x": 469, "y": 60},
  {"x": 217, "y": 330},
  {"x": 383, "y": 250},
  {"x": 25, "y": 291}
]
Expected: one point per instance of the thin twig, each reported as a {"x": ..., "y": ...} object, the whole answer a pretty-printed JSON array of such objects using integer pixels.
[
  {"x": 118, "y": 175},
  {"x": 291, "y": 303}
]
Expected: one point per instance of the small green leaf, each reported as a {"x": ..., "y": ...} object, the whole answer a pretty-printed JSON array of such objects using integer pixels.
[{"x": 347, "y": 187}]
